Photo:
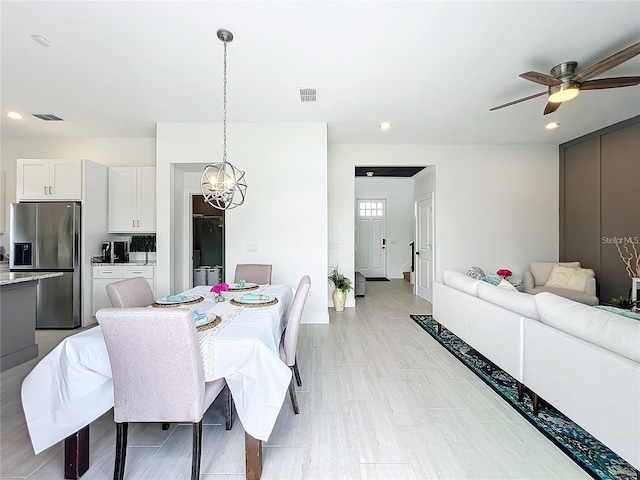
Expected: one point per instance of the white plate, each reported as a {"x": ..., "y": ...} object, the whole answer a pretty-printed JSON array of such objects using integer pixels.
[
  {"x": 267, "y": 300},
  {"x": 234, "y": 286},
  {"x": 189, "y": 298}
]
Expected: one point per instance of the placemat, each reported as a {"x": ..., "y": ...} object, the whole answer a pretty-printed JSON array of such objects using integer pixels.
[
  {"x": 233, "y": 301},
  {"x": 244, "y": 289},
  {"x": 214, "y": 323},
  {"x": 177, "y": 304}
]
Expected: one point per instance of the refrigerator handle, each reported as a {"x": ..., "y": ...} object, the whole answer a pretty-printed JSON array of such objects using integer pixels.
[{"x": 76, "y": 236}]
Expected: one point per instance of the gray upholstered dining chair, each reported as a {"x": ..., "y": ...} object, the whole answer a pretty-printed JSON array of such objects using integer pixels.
[
  {"x": 157, "y": 371},
  {"x": 253, "y": 272},
  {"x": 289, "y": 341},
  {"x": 130, "y": 293}
]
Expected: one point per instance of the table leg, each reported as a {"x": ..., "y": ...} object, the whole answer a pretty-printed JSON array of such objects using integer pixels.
[
  {"x": 253, "y": 457},
  {"x": 76, "y": 454}
]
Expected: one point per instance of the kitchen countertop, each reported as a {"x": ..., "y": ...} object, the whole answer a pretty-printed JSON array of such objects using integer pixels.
[
  {"x": 123, "y": 264},
  {"x": 9, "y": 278}
]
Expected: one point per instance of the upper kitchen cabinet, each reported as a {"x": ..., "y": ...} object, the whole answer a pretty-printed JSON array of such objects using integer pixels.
[
  {"x": 39, "y": 179},
  {"x": 132, "y": 200}
]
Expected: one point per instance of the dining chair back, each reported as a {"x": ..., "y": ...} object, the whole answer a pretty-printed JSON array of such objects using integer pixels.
[
  {"x": 158, "y": 374},
  {"x": 253, "y": 273},
  {"x": 289, "y": 341},
  {"x": 130, "y": 293}
]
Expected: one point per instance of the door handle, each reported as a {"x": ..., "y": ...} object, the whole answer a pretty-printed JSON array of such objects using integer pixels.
[
  {"x": 133, "y": 223},
  {"x": 138, "y": 222},
  {"x": 417, "y": 253},
  {"x": 50, "y": 190},
  {"x": 384, "y": 243},
  {"x": 45, "y": 189}
]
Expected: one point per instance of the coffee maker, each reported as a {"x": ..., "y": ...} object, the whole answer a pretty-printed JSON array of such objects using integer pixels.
[{"x": 115, "y": 252}]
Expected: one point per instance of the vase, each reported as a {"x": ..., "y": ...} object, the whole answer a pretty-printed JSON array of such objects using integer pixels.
[
  {"x": 219, "y": 298},
  {"x": 338, "y": 299}
]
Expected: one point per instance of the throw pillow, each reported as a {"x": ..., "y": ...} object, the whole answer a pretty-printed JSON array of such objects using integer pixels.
[
  {"x": 492, "y": 278},
  {"x": 569, "y": 278},
  {"x": 475, "y": 272},
  {"x": 507, "y": 285}
]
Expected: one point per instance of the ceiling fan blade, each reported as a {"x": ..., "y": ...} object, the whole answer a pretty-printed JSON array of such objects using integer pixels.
[
  {"x": 551, "y": 107},
  {"x": 517, "y": 101},
  {"x": 541, "y": 78},
  {"x": 608, "y": 63},
  {"x": 613, "y": 82}
]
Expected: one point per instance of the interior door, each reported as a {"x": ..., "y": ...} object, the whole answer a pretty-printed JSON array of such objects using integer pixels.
[
  {"x": 371, "y": 248},
  {"x": 424, "y": 247}
]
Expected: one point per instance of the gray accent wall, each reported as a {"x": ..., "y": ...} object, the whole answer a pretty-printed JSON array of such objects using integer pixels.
[{"x": 600, "y": 202}]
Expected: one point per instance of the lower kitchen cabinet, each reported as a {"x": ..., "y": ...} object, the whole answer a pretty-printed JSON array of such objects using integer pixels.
[{"x": 103, "y": 275}]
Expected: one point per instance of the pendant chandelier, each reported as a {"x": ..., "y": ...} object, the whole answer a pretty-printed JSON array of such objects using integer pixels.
[{"x": 223, "y": 185}]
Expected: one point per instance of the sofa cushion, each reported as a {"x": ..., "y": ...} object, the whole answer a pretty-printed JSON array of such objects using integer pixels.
[
  {"x": 521, "y": 303},
  {"x": 541, "y": 270},
  {"x": 581, "y": 297},
  {"x": 571, "y": 278},
  {"x": 461, "y": 282},
  {"x": 608, "y": 330}
]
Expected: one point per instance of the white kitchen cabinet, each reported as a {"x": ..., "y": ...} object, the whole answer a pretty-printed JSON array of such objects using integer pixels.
[
  {"x": 45, "y": 179},
  {"x": 132, "y": 200},
  {"x": 103, "y": 275}
]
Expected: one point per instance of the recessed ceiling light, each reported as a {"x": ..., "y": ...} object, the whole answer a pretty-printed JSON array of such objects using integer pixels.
[
  {"x": 385, "y": 125},
  {"x": 14, "y": 115},
  {"x": 41, "y": 40},
  {"x": 552, "y": 125}
]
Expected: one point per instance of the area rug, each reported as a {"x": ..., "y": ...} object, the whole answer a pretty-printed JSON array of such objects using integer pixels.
[
  {"x": 377, "y": 279},
  {"x": 591, "y": 455}
]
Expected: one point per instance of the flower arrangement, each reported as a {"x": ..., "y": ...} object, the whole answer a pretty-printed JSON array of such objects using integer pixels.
[
  {"x": 219, "y": 288},
  {"x": 339, "y": 281},
  {"x": 504, "y": 273}
]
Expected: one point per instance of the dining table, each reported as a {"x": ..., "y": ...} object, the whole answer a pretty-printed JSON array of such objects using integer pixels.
[{"x": 239, "y": 341}]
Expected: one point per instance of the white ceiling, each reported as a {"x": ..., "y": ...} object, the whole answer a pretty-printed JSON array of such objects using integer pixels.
[{"x": 433, "y": 69}]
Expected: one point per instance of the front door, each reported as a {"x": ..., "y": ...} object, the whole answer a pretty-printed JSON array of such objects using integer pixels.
[
  {"x": 424, "y": 247},
  {"x": 371, "y": 248}
]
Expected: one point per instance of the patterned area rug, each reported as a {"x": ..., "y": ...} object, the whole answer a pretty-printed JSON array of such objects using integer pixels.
[{"x": 591, "y": 455}]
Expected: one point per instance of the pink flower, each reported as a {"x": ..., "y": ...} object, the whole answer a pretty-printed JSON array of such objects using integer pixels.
[
  {"x": 504, "y": 273},
  {"x": 221, "y": 287}
]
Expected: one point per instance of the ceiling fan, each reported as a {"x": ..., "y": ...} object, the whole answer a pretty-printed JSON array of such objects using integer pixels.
[{"x": 564, "y": 84}]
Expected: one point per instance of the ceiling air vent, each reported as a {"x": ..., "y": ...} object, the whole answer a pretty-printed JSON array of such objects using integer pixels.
[
  {"x": 308, "y": 94},
  {"x": 48, "y": 117}
]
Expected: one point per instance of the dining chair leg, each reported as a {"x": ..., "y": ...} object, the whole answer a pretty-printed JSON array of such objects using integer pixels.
[
  {"x": 297, "y": 372},
  {"x": 197, "y": 450},
  {"x": 228, "y": 407},
  {"x": 121, "y": 450},
  {"x": 294, "y": 399}
]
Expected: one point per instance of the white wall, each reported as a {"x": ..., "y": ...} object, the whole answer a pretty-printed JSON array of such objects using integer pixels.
[
  {"x": 112, "y": 152},
  {"x": 399, "y": 217},
  {"x": 496, "y": 206},
  {"x": 285, "y": 212}
]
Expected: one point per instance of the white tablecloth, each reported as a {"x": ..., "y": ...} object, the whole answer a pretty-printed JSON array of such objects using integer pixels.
[{"x": 71, "y": 386}]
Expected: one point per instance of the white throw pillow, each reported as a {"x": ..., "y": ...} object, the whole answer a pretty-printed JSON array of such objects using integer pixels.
[
  {"x": 507, "y": 285},
  {"x": 570, "y": 278}
]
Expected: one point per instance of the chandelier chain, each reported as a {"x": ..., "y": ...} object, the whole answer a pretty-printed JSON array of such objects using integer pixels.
[{"x": 224, "y": 117}]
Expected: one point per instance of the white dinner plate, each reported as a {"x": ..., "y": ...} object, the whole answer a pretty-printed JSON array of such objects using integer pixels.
[{"x": 189, "y": 298}]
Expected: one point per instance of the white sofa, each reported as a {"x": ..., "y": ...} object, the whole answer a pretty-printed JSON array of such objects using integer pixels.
[{"x": 582, "y": 360}]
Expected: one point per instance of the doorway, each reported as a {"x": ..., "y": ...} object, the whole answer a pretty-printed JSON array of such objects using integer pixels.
[
  {"x": 424, "y": 247},
  {"x": 207, "y": 244},
  {"x": 371, "y": 242}
]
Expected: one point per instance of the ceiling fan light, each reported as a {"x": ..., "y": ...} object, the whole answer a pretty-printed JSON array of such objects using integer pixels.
[{"x": 563, "y": 93}]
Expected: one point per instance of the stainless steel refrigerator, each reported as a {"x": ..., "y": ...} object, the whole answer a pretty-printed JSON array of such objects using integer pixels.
[{"x": 45, "y": 237}]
